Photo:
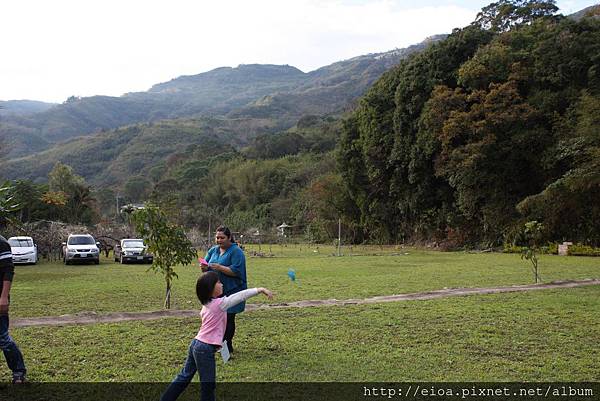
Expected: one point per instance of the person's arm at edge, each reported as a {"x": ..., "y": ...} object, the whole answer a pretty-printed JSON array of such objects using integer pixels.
[{"x": 6, "y": 284}]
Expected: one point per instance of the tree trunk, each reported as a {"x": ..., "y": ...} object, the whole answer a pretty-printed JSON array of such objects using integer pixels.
[{"x": 168, "y": 296}]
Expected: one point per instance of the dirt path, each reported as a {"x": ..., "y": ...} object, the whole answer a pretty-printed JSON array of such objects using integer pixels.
[{"x": 92, "y": 317}]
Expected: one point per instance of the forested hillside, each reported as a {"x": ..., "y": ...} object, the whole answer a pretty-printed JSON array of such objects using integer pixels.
[
  {"x": 110, "y": 158},
  {"x": 495, "y": 126}
]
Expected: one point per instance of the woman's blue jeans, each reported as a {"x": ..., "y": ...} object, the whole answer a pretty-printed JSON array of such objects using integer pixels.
[
  {"x": 201, "y": 359},
  {"x": 13, "y": 355}
]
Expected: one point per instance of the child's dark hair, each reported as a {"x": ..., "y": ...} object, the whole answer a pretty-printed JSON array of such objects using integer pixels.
[
  {"x": 225, "y": 230},
  {"x": 205, "y": 286}
]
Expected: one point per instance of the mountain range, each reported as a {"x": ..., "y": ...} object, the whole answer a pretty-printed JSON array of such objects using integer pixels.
[{"x": 230, "y": 105}]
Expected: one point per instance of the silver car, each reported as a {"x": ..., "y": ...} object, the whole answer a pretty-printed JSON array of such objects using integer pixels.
[
  {"x": 132, "y": 250},
  {"x": 81, "y": 248}
]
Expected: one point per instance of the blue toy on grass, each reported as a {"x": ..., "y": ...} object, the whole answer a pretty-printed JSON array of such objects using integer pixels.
[{"x": 292, "y": 274}]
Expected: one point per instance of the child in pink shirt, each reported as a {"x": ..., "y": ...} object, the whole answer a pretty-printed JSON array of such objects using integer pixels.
[{"x": 201, "y": 353}]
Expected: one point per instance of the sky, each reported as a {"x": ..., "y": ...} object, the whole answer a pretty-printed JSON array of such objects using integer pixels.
[{"x": 55, "y": 49}]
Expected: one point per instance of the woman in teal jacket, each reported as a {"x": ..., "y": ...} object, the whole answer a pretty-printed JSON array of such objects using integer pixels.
[{"x": 228, "y": 260}]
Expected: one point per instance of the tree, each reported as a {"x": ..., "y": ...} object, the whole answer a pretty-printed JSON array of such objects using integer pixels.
[
  {"x": 28, "y": 195},
  {"x": 72, "y": 99},
  {"x": 80, "y": 202},
  {"x": 320, "y": 205},
  {"x": 8, "y": 203},
  {"x": 568, "y": 204},
  {"x": 166, "y": 241},
  {"x": 63, "y": 178},
  {"x": 486, "y": 154},
  {"x": 533, "y": 235},
  {"x": 386, "y": 156},
  {"x": 505, "y": 14},
  {"x": 57, "y": 198},
  {"x": 106, "y": 199}
]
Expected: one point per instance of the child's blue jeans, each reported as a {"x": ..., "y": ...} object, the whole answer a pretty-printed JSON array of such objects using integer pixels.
[
  {"x": 13, "y": 355},
  {"x": 201, "y": 358}
]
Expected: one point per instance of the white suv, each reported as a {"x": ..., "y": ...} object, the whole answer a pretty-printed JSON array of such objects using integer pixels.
[{"x": 81, "y": 247}]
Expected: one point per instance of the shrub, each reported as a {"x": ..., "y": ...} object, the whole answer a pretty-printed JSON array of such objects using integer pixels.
[
  {"x": 583, "y": 250},
  {"x": 550, "y": 249}
]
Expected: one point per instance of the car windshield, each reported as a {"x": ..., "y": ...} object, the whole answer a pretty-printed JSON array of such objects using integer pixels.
[
  {"x": 133, "y": 244},
  {"x": 81, "y": 240},
  {"x": 20, "y": 243}
]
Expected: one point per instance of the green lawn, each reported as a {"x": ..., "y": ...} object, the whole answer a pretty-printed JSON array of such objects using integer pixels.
[
  {"x": 50, "y": 289},
  {"x": 549, "y": 335}
]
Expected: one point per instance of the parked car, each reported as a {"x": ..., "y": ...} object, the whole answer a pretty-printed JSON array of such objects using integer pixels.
[
  {"x": 132, "y": 250},
  {"x": 81, "y": 248},
  {"x": 23, "y": 249}
]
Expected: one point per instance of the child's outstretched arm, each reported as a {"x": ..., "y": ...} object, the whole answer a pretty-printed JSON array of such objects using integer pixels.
[
  {"x": 241, "y": 296},
  {"x": 266, "y": 291}
]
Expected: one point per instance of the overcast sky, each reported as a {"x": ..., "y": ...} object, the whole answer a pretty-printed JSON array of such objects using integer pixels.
[{"x": 52, "y": 49}]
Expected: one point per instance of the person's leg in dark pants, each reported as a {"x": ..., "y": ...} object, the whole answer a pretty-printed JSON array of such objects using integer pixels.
[
  {"x": 13, "y": 355},
  {"x": 205, "y": 362},
  {"x": 184, "y": 377},
  {"x": 230, "y": 331}
]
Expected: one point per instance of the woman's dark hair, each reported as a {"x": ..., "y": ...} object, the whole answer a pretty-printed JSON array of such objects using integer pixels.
[
  {"x": 205, "y": 286},
  {"x": 227, "y": 232}
]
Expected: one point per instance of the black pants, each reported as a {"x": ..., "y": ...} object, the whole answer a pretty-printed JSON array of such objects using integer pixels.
[{"x": 230, "y": 331}]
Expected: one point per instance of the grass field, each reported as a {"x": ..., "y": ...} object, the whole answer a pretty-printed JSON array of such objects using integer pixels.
[
  {"x": 50, "y": 289},
  {"x": 549, "y": 335},
  {"x": 540, "y": 336}
]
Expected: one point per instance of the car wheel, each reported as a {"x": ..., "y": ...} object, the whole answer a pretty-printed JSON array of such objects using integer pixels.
[{"x": 97, "y": 262}]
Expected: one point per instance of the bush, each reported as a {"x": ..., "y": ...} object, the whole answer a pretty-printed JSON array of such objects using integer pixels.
[
  {"x": 550, "y": 249},
  {"x": 583, "y": 250},
  {"x": 510, "y": 248}
]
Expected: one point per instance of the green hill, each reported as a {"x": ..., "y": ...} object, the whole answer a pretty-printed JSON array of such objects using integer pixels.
[
  {"x": 280, "y": 93},
  {"x": 110, "y": 158},
  {"x": 330, "y": 89}
]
